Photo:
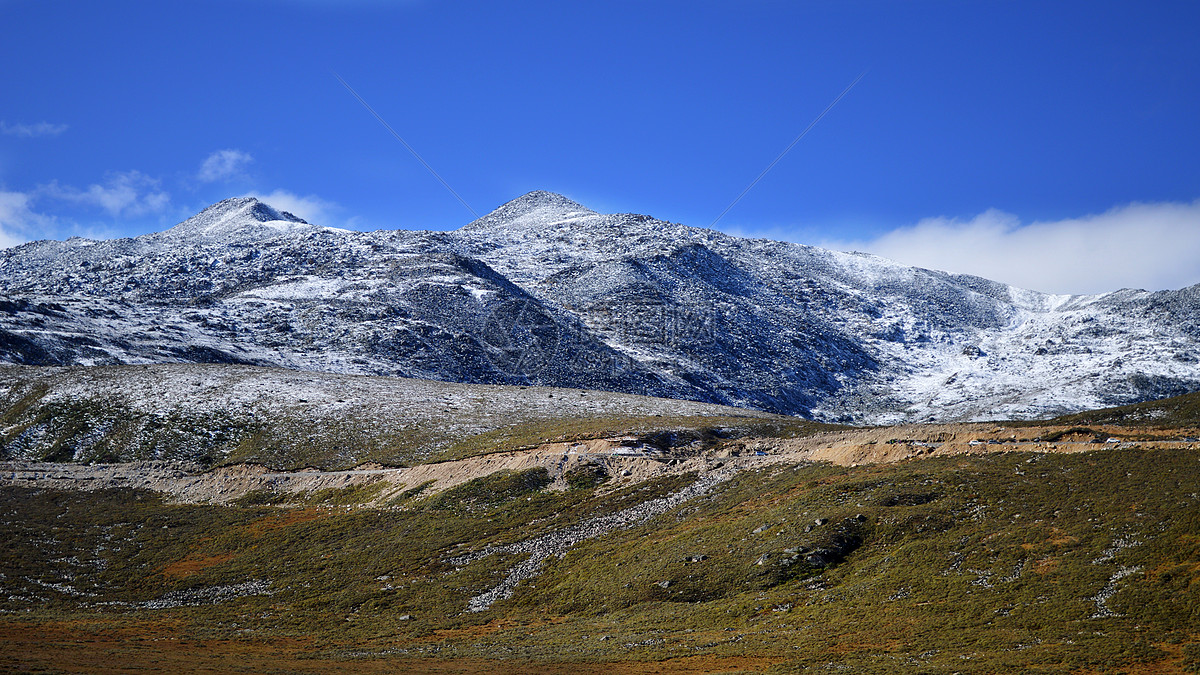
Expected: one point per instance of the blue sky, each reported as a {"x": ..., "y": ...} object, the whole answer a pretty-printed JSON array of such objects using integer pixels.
[{"x": 980, "y": 130}]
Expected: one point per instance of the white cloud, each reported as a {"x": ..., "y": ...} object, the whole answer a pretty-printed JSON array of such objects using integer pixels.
[
  {"x": 223, "y": 165},
  {"x": 311, "y": 208},
  {"x": 1153, "y": 246},
  {"x": 14, "y": 211},
  {"x": 18, "y": 222},
  {"x": 129, "y": 193},
  {"x": 31, "y": 130}
]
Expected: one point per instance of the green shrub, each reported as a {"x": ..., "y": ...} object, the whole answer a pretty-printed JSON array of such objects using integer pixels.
[
  {"x": 586, "y": 476},
  {"x": 492, "y": 490},
  {"x": 1191, "y": 657}
]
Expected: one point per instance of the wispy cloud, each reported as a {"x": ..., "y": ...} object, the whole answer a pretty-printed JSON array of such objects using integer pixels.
[
  {"x": 19, "y": 222},
  {"x": 311, "y": 208},
  {"x": 31, "y": 130},
  {"x": 1153, "y": 246},
  {"x": 128, "y": 193},
  {"x": 223, "y": 165}
]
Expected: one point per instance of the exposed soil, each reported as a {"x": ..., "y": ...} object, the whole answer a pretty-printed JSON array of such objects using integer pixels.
[{"x": 626, "y": 459}]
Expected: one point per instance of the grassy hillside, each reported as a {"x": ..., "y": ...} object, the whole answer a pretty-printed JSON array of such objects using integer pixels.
[
  {"x": 972, "y": 564},
  {"x": 222, "y": 414},
  {"x": 1179, "y": 411}
]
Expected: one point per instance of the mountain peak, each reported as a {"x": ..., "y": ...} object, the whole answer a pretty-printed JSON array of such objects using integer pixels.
[
  {"x": 541, "y": 199},
  {"x": 236, "y": 218},
  {"x": 539, "y": 207},
  {"x": 249, "y": 207}
]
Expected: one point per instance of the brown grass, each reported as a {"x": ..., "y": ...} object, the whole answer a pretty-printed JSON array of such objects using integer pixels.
[
  {"x": 277, "y": 521},
  {"x": 93, "y": 648},
  {"x": 185, "y": 568}
]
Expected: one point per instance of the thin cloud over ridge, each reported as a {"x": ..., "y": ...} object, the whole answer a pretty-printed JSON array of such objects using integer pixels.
[
  {"x": 1154, "y": 246},
  {"x": 310, "y": 207}
]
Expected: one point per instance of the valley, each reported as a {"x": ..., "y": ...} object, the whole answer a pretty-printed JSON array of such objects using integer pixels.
[
  {"x": 556, "y": 440},
  {"x": 979, "y": 548},
  {"x": 343, "y": 337}
]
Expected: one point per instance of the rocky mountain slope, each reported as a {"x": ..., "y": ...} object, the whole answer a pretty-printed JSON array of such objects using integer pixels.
[
  {"x": 544, "y": 291},
  {"x": 215, "y": 414}
]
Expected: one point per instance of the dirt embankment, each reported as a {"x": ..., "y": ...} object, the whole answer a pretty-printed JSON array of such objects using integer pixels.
[
  {"x": 893, "y": 444},
  {"x": 625, "y": 459}
]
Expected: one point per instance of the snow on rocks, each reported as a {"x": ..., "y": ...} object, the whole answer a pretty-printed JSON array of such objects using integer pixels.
[{"x": 543, "y": 291}]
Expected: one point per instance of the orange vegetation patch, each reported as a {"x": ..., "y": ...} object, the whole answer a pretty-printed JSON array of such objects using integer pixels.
[
  {"x": 493, "y": 626},
  {"x": 1059, "y": 537},
  {"x": 1176, "y": 569},
  {"x": 276, "y": 521},
  {"x": 1045, "y": 565},
  {"x": 181, "y": 569},
  {"x": 472, "y": 631}
]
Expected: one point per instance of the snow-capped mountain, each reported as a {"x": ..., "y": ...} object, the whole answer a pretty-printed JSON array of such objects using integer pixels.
[
  {"x": 546, "y": 291},
  {"x": 237, "y": 220}
]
